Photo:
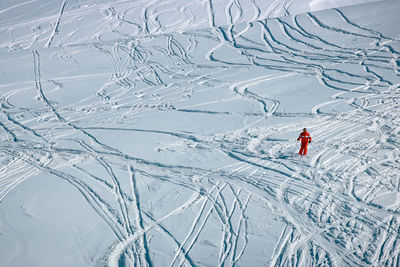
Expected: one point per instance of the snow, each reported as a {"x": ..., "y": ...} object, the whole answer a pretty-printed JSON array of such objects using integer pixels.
[
  {"x": 163, "y": 133},
  {"x": 316, "y": 5}
]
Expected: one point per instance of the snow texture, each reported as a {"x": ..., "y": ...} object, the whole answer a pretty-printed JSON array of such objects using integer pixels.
[{"x": 163, "y": 133}]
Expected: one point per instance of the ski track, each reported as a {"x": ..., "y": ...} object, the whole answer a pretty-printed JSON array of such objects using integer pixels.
[{"x": 331, "y": 205}]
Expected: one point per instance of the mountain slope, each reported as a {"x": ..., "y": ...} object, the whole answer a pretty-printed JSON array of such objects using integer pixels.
[{"x": 168, "y": 141}]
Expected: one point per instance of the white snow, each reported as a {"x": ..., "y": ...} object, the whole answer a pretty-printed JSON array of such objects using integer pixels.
[
  {"x": 316, "y": 5},
  {"x": 163, "y": 133}
]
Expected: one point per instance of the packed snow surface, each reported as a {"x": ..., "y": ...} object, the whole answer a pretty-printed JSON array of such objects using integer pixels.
[{"x": 163, "y": 133}]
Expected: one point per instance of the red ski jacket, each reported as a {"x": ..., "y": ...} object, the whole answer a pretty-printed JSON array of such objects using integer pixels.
[{"x": 304, "y": 137}]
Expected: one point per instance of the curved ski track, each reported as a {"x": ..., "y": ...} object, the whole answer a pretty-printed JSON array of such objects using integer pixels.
[{"x": 332, "y": 205}]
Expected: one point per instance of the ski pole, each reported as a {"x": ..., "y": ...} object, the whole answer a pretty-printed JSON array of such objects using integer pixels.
[{"x": 295, "y": 147}]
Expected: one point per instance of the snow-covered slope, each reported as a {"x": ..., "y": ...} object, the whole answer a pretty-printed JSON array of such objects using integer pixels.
[
  {"x": 316, "y": 5},
  {"x": 163, "y": 133}
]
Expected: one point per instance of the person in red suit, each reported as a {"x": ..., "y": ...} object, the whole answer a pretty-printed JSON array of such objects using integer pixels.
[{"x": 305, "y": 138}]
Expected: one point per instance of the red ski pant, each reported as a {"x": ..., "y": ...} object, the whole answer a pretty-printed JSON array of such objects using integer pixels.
[{"x": 303, "y": 148}]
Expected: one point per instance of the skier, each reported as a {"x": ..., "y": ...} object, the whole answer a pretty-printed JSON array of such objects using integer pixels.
[{"x": 305, "y": 139}]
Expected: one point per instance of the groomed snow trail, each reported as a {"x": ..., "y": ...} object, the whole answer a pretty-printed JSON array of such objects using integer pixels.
[{"x": 176, "y": 123}]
